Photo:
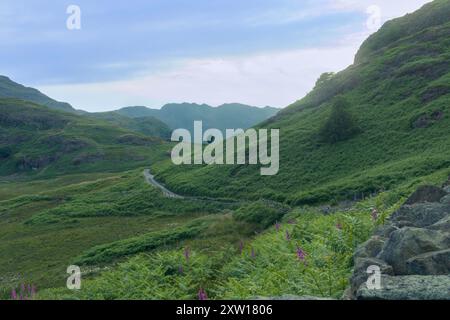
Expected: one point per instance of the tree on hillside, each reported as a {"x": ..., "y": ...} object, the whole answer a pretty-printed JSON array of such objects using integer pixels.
[{"x": 341, "y": 125}]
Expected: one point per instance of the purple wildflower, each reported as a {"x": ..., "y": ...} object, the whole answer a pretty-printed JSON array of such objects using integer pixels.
[
  {"x": 180, "y": 269},
  {"x": 301, "y": 254},
  {"x": 241, "y": 247},
  {"x": 277, "y": 226},
  {"x": 13, "y": 294},
  {"x": 253, "y": 253},
  {"x": 288, "y": 236},
  {"x": 339, "y": 226},
  {"x": 202, "y": 295},
  {"x": 187, "y": 254}
]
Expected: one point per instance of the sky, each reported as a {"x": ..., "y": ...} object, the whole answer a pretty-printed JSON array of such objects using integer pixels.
[{"x": 153, "y": 52}]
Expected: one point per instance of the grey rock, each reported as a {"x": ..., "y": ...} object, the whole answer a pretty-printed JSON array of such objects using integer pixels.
[
  {"x": 410, "y": 242},
  {"x": 419, "y": 215},
  {"x": 408, "y": 288},
  {"x": 432, "y": 263},
  {"x": 426, "y": 194},
  {"x": 447, "y": 189},
  {"x": 371, "y": 248},
  {"x": 446, "y": 199},
  {"x": 442, "y": 225},
  {"x": 385, "y": 231}
]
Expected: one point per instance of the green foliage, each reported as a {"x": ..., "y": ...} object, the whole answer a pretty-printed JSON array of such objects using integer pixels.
[
  {"x": 261, "y": 213},
  {"x": 142, "y": 243},
  {"x": 405, "y": 78},
  {"x": 341, "y": 124}
]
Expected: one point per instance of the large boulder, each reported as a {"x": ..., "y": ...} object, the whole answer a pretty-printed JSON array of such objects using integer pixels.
[
  {"x": 436, "y": 263},
  {"x": 426, "y": 194},
  {"x": 410, "y": 242},
  {"x": 408, "y": 288},
  {"x": 420, "y": 215},
  {"x": 412, "y": 251}
]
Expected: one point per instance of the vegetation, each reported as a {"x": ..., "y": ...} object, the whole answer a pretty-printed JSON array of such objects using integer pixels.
[
  {"x": 404, "y": 81},
  {"x": 340, "y": 126},
  {"x": 72, "y": 189}
]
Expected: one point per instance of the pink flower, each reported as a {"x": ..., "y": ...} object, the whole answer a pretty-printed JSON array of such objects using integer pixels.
[
  {"x": 202, "y": 295},
  {"x": 277, "y": 226},
  {"x": 241, "y": 247},
  {"x": 187, "y": 254},
  {"x": 374, "y": 214},
  {"x": 13, "y": 294}
]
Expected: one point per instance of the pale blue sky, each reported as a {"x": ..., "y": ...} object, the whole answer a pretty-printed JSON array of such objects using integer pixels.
[{"x": 151, "y": 52}]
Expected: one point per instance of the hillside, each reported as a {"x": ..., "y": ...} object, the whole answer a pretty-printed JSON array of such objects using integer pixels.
[
  {"x": 398, "y": 92},
  {"x": 13, "y": 90},
  {"x": 146, "y": 125},
  {"x": 227, "y": 116},
  {"x": 38, "y": 141}
]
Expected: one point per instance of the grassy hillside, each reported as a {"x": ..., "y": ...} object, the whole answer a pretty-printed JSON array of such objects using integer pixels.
[
  {"x": 37, "y": 141},
  {"x": 89, "y": 204},
  {"x": 227, "y": 116},
  {"x": 399, "y": 97},
  {"x": 149, "y": 126},
  {"x": 13, "y": 90}
]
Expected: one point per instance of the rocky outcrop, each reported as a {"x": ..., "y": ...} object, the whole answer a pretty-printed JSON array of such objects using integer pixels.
[
  {"x": 412, "y": 251},
  {"x": 408, "y": 288}
]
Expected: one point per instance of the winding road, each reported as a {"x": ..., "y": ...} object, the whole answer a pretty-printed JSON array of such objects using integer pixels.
[{"x": 151, "y": 180}]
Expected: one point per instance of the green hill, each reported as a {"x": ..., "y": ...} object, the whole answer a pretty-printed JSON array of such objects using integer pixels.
[
  {"x": 147, "y": 125},
  {"x": 397, "y": 91},
  {"x": 227, "y": 116},
  {"x": 43, "y": 142},
  {"x": 13, "y": 90}
]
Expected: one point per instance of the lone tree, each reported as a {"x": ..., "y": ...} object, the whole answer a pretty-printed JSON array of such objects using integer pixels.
[{"x": 341, "y": 125}]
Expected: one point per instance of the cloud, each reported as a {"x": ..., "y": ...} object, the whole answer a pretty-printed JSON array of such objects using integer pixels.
[{"x": 275, "y": 78}]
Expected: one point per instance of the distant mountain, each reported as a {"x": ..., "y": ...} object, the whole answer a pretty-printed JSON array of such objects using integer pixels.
[
  {"x": 227, "y": 116},
  {"x": 149, "y": 126},
  {"x": 13, "y": 90},
  {"x": 36, "y": 139}
]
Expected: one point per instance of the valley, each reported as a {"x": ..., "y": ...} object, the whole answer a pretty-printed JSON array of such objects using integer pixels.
[{"x": 100, "y": 190}]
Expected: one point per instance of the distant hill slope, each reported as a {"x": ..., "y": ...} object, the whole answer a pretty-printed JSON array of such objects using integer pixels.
[
  {"x": 149, "y": 126},
  {"x": 398, "y": 91},
  {"x": 227, "y": 116},
  {"x": 37, "y": 140},
  {"x": 13, "y": 90}
]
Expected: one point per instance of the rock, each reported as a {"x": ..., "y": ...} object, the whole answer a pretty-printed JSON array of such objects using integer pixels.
[
  {"x": 360, "y": 274},
  {"x": 426, "y": 194},
  {"x": 442, "y": 225},
  {"x": 410, "y": 242},
  {"x": 386, "y": 230},
  {"x": 446, "y": 199},
  {"x": 435, "y": 263},
  {"x": 419, "y": 215},
  {"x": 371, "y": 248},
  {"x": 408, "y": 288}
]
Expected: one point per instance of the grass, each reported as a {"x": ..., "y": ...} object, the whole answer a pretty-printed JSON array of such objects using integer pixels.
[{"x": 266, "y": 265}]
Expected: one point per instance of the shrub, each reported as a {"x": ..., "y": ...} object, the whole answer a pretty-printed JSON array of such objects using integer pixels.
[
  {"x": 262, "y": 213},
  {"x": 341, "y": 124}
]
